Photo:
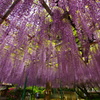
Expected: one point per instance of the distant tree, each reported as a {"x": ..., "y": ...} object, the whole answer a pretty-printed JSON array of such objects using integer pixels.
[{"x": 50, "y": 40}]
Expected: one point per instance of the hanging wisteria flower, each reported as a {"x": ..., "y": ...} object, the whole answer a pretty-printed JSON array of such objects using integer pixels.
[{"x": 50, "y": 40}]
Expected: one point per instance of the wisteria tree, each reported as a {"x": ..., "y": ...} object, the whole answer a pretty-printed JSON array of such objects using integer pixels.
[{"x": 55, "y": 41}]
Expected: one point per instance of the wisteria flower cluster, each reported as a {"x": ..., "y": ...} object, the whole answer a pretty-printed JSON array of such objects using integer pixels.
[{"x": 50, "y": 40}]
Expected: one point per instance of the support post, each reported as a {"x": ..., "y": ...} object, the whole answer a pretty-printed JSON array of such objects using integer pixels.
[{"x": 47, "y": 94}]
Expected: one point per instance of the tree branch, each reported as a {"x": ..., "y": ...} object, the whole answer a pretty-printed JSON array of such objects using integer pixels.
[
  {"x": 9, "y": 11},
  {"x": 46, "y": 6},
  {"x": 66, "y": 15}
]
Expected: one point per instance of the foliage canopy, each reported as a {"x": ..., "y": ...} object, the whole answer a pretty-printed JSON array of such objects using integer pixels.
[{"x": 50, "y": 40}]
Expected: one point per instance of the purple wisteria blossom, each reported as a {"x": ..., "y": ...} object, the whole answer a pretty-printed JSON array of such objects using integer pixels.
[{"x": 50, "y": 40}]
